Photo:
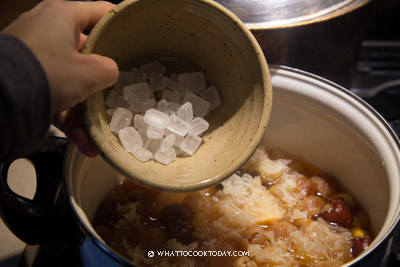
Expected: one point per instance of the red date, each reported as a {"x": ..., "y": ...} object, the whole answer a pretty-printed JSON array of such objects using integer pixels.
[
  {"x": 338, "y": 212},
  {"x": 176, "y": 212},
  {"x": 360, "y": 244}
]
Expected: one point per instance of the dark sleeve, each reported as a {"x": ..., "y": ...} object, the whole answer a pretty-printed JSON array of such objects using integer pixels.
[{"x": 25, "y": 105}]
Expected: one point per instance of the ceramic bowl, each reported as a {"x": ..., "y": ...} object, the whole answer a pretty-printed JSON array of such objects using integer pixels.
[{"x": 191, "y": 35}]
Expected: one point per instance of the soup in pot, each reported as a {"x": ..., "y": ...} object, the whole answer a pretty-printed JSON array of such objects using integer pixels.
[{"x": 275, "y": 211}]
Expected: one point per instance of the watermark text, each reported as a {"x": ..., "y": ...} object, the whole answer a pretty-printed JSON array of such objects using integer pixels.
[{"x": 197, "y": 253}]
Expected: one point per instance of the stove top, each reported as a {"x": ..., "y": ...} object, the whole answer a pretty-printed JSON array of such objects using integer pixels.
[
  {"x": 377, "y": 81},
  {"x": 378, "y": 77}
]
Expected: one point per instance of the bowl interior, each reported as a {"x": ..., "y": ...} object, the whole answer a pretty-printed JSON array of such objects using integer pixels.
[{"x": 186, "y": 35}]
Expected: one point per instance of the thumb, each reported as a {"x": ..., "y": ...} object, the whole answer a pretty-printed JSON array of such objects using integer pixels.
[{"x": 100, "y": 72}]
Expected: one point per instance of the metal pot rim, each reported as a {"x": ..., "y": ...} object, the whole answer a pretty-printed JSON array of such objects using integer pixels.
[{"x": 337, "y": 10}]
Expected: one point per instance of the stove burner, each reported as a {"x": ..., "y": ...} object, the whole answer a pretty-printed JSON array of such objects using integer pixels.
[{"x": 377, "y": 79}]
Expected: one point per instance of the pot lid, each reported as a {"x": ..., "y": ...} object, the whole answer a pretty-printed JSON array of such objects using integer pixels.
[{"x": 282, "y": 13}]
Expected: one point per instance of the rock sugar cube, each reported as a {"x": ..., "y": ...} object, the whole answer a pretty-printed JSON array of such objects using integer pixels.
[
  {"x": 167, "y": 143},
  {"x": 130, "y": 138},
  {"x": 167, "y": 112},
  {"x": 125, "y": 78},
  {"x": 172, "y": 96},
  {"x": 185, "y": 112},
  {"x": 139, "y": 123},
  {"x": 112, "y": 99},
  {"x": 200, "y": 106},
  {"x": 142, "y": 105},
  {"x": 152, "y": 69},
  {"x": 156, "y": 83},
  {"x": 169, "y": 83},
  {"x": 192, "y": 82},
  {"x": 211, "y": 95},
  {"x": 121, "y": 118},
  {"x": 198, "y": 126},
  {"x": 178, "y": 126},
  {"x": 155, "y": 132},
  {"x": 142, "y": 154},
  {"x": 153, "y": 145},
  {"x": 190, "y": 144},
  {"x": 136, "y": 92},
  {"x": 165, "y": 157},
  {"x": 156, "y": 118}
]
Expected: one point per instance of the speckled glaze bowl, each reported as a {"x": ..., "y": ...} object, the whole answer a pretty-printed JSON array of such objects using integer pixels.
[{"x": 190, "y": 35}]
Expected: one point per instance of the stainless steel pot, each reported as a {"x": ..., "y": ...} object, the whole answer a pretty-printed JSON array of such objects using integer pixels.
[
  {"x": 321, "y": 37},
  {"x": 323, "y": 123}
]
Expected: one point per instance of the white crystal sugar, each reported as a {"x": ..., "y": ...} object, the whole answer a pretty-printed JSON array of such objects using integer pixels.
[
  {"x": 156, "y": 118},
  {"x": 165, "y": 157},
  {"x": 167, "y": 143},
  {"x": 168, "y": 82},
  {"x": 121, "y": 118},
  {"x": 192, "y": 82},
  {"x": 178, "y": 126},
  {"x": 142, "y": 154},
  {"x": 167, "y": 111},
  {"x": 153, "y": 145},
  {"x": 142, "y": 105},
  {"x": 112, "y": 99},
  {"x": 172, "y": 96},
  {"x": 211, "y": 95},
  {"x": 130, "y": 138},
  {"x": 152, "y": 69},
  {"x": 136, "y": 92},
  {"x": 200, "y": 106},
  {"x": 155, "y": 132},
  {"x": 156, "y": 83},
  {"x": 190, "y": 144},
  {"x": 125, "y": 78},
  {"x": 162, "y": 105},
  {"x": 139, "y": 123},
  {"x": 198, "y": 126},
  {"x": 172, "y": 108},
  {"x": 185, "y": 112}
]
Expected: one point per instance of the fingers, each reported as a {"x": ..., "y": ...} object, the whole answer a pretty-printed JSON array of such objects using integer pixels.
[
  {"x": 88, "y": 150},
  {"x": 101, "y": 72},
  {"x": 82, "y": 40},
  {"x": 69, "y": 122},
  {"x": 66, "y": 121},
  {"x": 89, "y": 13}
]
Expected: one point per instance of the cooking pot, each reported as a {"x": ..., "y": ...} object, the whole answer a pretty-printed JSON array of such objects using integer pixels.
[
  {"x": 311, "y": 117},
  {"x": 321, "y": 37}
]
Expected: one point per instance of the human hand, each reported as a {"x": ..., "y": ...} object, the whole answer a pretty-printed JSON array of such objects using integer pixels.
[{"x": 53, "y": 31}]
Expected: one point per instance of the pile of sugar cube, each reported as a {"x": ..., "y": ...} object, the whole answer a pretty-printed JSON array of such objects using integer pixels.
[{"x": 158, "y": 116}]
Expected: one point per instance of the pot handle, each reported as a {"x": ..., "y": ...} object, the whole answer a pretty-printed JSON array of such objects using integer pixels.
[{"x": 47, "y": 218}]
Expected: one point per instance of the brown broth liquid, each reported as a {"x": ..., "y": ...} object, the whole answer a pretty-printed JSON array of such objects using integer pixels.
[{"x": 152, "y": 208}]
